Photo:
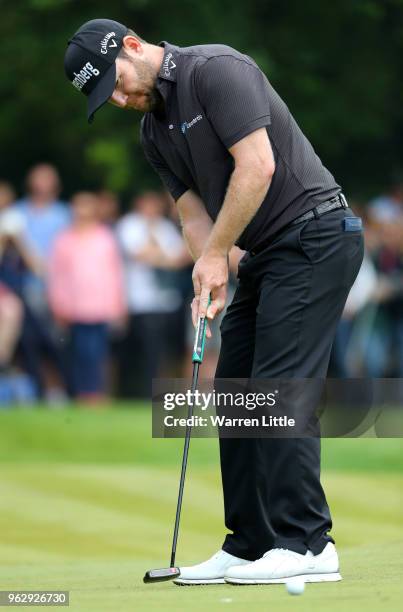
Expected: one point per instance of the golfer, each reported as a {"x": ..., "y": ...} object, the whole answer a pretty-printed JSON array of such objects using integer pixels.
[{"x": 242, "y": 172}]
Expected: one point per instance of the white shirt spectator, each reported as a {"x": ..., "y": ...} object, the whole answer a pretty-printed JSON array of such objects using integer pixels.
[
  {"x": 363, "y": 288},
  {"x": 145, "y": 292},
  {"x": 12, "y": 222}
]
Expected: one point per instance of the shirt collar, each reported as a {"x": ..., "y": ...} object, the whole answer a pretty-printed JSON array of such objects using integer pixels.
[{"x": 170, "y": 60}]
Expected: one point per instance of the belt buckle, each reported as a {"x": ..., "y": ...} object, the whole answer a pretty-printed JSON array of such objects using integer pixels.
[{"x": 343, "y": 200}]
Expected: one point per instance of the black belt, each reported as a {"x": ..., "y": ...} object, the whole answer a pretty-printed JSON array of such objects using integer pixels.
[{"x": 338, "y": 201}]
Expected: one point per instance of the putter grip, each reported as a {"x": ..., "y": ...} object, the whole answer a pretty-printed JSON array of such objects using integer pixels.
[{"x": 200, "y": 339}]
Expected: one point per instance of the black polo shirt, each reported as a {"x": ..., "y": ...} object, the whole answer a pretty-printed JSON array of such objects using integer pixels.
[{"x": 215, "y": 96}]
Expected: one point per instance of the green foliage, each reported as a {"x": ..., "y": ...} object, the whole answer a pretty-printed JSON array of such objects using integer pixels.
[
  {"x": 337, "y": 65},
  {"x": 110, "y": 157},
  {"x": 44, "y": 5}
]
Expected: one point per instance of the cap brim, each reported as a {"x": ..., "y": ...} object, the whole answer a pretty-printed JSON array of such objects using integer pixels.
[{"x": 102, "y": 92}]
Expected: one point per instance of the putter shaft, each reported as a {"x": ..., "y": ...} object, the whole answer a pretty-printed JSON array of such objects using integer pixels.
[{"x": 196, "y": 366}]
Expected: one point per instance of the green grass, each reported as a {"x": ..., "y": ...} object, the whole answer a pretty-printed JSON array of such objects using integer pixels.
[
  {"x": 122, "y": 434},
  {"x": 87, "y": 501}
]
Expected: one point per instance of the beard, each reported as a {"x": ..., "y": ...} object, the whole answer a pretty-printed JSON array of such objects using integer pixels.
[
  {"x": 155, "y": 101},
  {"x": 146, "y": 78}
]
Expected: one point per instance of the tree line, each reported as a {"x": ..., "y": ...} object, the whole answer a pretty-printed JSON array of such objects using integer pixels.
[{"x": 338, "y": 66}]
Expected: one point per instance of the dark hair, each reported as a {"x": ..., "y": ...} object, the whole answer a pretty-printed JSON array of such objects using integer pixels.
[{"x": 122, "y": 52}]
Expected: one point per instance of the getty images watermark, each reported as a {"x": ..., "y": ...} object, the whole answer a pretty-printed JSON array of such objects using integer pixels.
[
  {"x": 204, "y": 401},
  {"x": 273, "y": 408}
]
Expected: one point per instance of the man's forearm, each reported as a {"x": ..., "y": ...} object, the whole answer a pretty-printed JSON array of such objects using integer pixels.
[
  {"x": 195, "y": 222},
  {"x": 245, "y": 194},
  {"x": 254, "y": 166},
  {"x": 196, "y": 234}
]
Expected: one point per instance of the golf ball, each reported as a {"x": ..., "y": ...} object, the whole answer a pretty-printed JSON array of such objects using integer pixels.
[{"x": 295, "y": 586}]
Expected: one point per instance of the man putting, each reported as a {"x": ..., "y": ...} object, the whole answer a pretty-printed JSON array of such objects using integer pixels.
[{"x": 242, "y": 172}]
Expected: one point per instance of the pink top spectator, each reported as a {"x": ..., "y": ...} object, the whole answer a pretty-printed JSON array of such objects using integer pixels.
[{"x": 86, "y": 276}]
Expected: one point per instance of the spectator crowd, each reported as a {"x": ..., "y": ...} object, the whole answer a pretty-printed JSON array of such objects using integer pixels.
[
  {"x": 369, "y": 340},
  {"x": 91, "y": 302},
  {"x": 94, "y": 302}
]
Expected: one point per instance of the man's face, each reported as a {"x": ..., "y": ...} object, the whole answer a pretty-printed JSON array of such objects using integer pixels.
[
  {"x": 43, "y": 182},
  {"x": 85, "y": 207},
  {"x": 136, "y": 85}
]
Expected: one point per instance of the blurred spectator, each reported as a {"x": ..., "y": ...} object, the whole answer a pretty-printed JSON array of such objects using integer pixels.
[
  {"x": 151, "y": 245},
  {"x": 44, "y": 213},
  {"x": 44, "y": 217},
  {"x": 11, "y": 221},
  {"x": 108, "y": 213},
  {"x": 384, "y": 356},
  {"x": 388, "y": 207},
  {"x": 11, "y": 313},
  {"x": 349, "y": 345},
  {"x": 86, "y": 293},
  {"x": 108, "y": 207},
  {"x": 16, "y": 257},
  {"x": 369, "y": 340},
  {"x": 15, "y": 386}
]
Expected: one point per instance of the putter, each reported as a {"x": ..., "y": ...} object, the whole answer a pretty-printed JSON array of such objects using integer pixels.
[{"x": 171, "y": 572}]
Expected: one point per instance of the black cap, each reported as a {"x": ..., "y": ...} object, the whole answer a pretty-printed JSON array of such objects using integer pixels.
[{"x": 90, "y": 57}]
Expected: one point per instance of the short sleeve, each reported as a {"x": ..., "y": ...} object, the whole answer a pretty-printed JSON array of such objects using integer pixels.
[
  {"x": 235, "y": 96},
  {"x": 174, "y": 185}
]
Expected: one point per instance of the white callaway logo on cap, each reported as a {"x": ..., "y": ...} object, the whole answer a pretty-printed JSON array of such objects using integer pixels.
[
  {"x": 86, "y": 72},
  {"x": 104, "y": 43}
]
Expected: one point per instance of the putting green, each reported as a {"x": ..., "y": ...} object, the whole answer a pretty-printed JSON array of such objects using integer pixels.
[{"x": 87, "y": 502}]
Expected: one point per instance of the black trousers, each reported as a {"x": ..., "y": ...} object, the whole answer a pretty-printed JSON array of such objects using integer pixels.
[{"x": 281, "y": 324}]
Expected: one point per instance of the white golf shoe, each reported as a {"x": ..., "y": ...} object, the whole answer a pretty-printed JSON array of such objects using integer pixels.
[
  {"x": 280, "y": 564},
  {"x": 211, "y": 571}
]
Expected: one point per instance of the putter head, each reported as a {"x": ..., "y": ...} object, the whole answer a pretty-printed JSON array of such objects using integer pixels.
[{"x": 161, "y": 575}]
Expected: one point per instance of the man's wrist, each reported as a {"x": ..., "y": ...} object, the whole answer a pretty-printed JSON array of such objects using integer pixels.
[{"x": 215, "y": 250}]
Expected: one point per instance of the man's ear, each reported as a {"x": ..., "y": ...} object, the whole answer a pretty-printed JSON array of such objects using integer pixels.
[{"x": 131, "y": 43}]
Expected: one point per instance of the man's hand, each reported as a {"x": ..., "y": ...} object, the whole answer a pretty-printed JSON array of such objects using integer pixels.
[{"x": 210, "y": 278}]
